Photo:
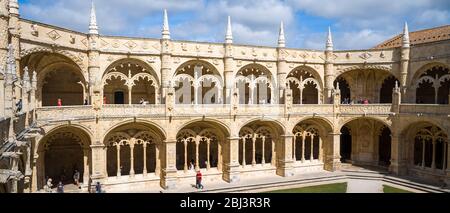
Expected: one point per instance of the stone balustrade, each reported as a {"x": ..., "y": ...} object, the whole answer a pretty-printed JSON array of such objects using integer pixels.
[{"x": 142, "y": 111}]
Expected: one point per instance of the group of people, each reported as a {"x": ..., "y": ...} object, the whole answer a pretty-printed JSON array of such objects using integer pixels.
[
  {"x": 359, "y": 101},
  {"x": 76, "y": 180}
]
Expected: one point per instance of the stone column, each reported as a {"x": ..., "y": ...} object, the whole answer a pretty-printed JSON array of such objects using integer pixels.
[
  {"x": 244, "y": 140},
  {"x": 185, "y": 143},
  {"x": 398, "y": 164},
  {"x": 129, "y": 95},
  {"x": 94, "y": 67},
  {"x": 169, "y": 171},
  {"x": 329, "y": 76},
  {"x": 231, "y": 160},
  {"x": 282, "y": 72},
  {"x": 333, "y": 158},
  {"x": 158, "y": 160},
  {"x": 294, "y": 157},
  {"x": 34, "y": 177},
  {"x": 320, "y": 149},
  {"x": 197, "y": 162},
  {"x": 284, "y": 156},
  {"x": 208, "y": 164},
  {"x": 144, "y": 147},
  {"x": 132, "y": 143},
  {"x": 303, "y": 147},
  {"x": 254, "y": 150},
  {"x": 311, "y": 156},
  {"x": 86, "y": 174},
  {"x": 274, "y": 153},
  {"x": 118, "y": 161},
  {"x": 423, "y": 153},
  {"x": 444, "y": 159},
  {"x": 263, "y": 141},
  {"x": 433, "y": 162},
  {"x": 251, "y": 88},
  {"x": 166, "y": 61}
]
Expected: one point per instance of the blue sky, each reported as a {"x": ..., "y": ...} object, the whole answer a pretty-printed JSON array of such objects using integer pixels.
[{"x": 356, "y": 24}]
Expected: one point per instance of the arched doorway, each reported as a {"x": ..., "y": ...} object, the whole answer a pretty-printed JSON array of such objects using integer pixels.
[
  {"x": 366, "y": 141},
  {"x": 133, "y": 150},
  {"x": 130, "y": 81},
  {"x": 198, "y": 82},
  {"x": 346, "y": 145},
  {"x": 58, "y": 77},
  {"x": 344, "y": 87},
  {"x": 386, "y": 89},
  {"x": 305, "y": 85},
  {"x": 384, "y": 147},
  {"x": 255, "y": 85},
  {"x": 258, "y": 143},
  {"x": 432, "y": 86},
  {"x": 61, "y": 153},
  {"x": 199, "y": 147}
]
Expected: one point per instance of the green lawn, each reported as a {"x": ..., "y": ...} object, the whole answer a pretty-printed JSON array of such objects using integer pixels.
[
  {"x": 329, "y": 188},
  {"x": 390, "y": 189}
]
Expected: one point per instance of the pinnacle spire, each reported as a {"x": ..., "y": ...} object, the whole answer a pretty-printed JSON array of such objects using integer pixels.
[
  {"x": 329, "y": 45},
  {"x": 281, "y": 38},
  {"x": 14, "y": 7},
  {"x": 93, "y": 28},
  {"x": 405, "y": 38},
  {"x": 166, "y": 30},
  {"x": 229, "y": 34}
]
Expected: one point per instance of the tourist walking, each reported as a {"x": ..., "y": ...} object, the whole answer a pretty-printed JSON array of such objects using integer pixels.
[
  {"x": 76, "y": 178},
  {"x": 98, "y": 188},
  {"x": 199, "y": 180}
]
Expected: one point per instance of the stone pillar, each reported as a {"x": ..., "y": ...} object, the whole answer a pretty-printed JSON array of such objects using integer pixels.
[
  {"x": 284, "y": 156},
  {"x": 244, "y": 141},
  {"x": 231, "y": 160},
  {"x": 197, "y": 162},
  {"x": 158, "y": 160},
  {"x": 433, "y": 160},
  {"x": 2, "y": 96},
  {"x": 333, "y": 158},
  {"x": 166, "y": 60},
  {"x": 311, "y": 156},
  {"x": 4, "y": 37},
  {"x": 94, "y": 67},
  {"x": 294, "y": 144},
  {"x": 185, "y": 143},
  {"x": 119, "y": 173},
  {"x": 263, "y": 141},
  {"x": 254, "y": 150},
  {"x": 129, "y": 95},
  {"x": 282, "y": 72},
  {"x": 404, "y": 65},
  {"x": 423, "y": 153},
  {"x": 303, "y": 147},
  {"x": 34, "y": 176},
  {"x": 398, "y": 164},
  {"x": 320, "y": 149},
  {"x": 144, "y": 147},
  {"x": 14, "y": 32},
  {"x": 329, "y": 76},
  {"x": 228, "y": 72},
  {"x": 98, "y": 167},
  {"x": 208, "y": 164},
  {"x": 132, "y": 143},
  {"x": 86, "y": 175},
  {"x": 169, "y": 171}
]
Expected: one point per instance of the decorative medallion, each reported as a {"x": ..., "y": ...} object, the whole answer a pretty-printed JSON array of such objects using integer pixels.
[
  {"x": 365, "y": 55},
  {"x": 130, "y": 45},
  {"x": 54, "y": 35}
]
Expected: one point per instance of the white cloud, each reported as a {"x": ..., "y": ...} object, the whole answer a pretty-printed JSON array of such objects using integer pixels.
[{"x": 356, "y": 24}]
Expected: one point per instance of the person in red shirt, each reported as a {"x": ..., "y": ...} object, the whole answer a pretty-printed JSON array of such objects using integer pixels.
[
  {"x": 199, "y": 180},
  {"x": 59, "y": 102}
]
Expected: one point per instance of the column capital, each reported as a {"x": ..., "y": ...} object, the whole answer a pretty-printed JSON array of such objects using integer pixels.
[
  {"x": 287, "y": 135},
  {"x": 234, "y": 138}
]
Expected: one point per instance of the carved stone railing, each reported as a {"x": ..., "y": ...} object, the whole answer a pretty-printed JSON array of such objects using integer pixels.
[
  {"x": 425, "y": 109},
  {"x": 143, "y": 111},
  {"x": 150, "y": 110},
  {"x": 311, "y": 109},
  {"x": 64, "y": 113},
  {"x": 369, "y": 109}
]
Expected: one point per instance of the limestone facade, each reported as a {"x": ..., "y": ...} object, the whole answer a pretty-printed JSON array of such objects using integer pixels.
[{"x": 224, "y": 126}]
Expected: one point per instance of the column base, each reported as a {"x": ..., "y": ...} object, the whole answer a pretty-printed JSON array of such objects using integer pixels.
[
  {"x": 285, "y": 168},
  {"x": 397, "y": 169},
  {"x": 231, "y": 173},
  {"x": 168, "y": 179},
  {"x": 333, "y": 165}
]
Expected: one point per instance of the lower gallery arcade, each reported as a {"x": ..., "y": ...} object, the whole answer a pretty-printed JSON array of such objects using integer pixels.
[{"x": 136, "y": 152}]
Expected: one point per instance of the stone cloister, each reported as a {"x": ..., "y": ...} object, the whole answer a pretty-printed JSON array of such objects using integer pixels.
[{"x": 139, "y": 113}]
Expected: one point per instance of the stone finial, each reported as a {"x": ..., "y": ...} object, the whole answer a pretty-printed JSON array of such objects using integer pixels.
[
  {"x": 329, "y": 45},
  {"x": 166, "y": 30},
  {"x": 229, "y": 34},
  {"x": 281, "y": 38},
  {"x": 93, "y": 27},
  {"x": 13, "y": 7},
  {"x": 405, "y": 38}
]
